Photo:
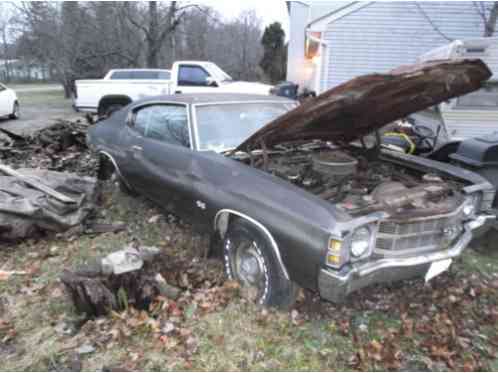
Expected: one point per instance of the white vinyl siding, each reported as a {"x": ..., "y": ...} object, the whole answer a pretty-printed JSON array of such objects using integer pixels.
[{"x": 384, "y": 35}]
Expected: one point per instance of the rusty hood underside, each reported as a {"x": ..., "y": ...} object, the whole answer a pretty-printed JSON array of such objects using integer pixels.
[{"x": 362, "y": 105}]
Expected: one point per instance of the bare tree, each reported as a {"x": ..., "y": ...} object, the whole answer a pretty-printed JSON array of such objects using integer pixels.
[
  {"x": 157, "y": 24},
  {"x": 77, "y": 40},
  {"x": 488, "y": 11},
  {"x": 5, "y": 26}
]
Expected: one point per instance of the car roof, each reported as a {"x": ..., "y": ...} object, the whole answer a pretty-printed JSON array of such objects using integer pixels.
[{"x": 206, "y": 98}]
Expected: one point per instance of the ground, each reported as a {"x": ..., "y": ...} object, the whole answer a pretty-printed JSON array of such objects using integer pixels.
[
  {"x": 41, "y": 105},
  {"x": 449, "y": 324}
]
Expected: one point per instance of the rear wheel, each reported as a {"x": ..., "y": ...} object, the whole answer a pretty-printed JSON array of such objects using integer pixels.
[
  {"x": 249, "y": 260},
  {"x": 123, "y": 187},
  {"x": 16, "y": 111},
  {"x": 107, "y": 171}
]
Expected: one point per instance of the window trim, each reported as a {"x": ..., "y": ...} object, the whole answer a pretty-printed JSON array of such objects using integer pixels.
[
  {"x": 133, "y": 111},
  {"x": 190, "y": 85},
  {"x": 194, "y": 113}
]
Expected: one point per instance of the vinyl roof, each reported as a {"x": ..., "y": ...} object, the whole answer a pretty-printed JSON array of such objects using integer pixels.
[{"x": 204, "y": 98}]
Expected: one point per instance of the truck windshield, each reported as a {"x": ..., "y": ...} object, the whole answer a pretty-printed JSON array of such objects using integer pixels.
[
  {"x": 224, "y": 126},
  {"x": 218, "y": 73}
]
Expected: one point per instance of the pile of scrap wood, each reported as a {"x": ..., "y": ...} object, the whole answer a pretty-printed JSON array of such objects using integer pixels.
[
  {"x": 60, "y": 147},
  {"x": 36, "y": 201}
]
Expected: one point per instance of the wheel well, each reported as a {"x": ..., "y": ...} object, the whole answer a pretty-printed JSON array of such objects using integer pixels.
[
  {"x": 106, "y": 101},
  {"x": 106, "y": 167},
  {"x": 222, "y": 222}
]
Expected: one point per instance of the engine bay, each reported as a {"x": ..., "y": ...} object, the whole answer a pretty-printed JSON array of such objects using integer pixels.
[{"x": 359, "y": 182}]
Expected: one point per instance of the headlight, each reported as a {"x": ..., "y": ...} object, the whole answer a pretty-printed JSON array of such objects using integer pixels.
[{"x": 360, "y": 242}]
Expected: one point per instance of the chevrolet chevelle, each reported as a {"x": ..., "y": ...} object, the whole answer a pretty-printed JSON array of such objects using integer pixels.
[{"x": 304, "y": 195}]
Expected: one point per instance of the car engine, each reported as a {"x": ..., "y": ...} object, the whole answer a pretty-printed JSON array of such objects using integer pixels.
[{"x": 359, "y": 182}]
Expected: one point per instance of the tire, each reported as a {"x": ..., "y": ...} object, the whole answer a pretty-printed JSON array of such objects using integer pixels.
[
  {"x": 16, "y": 111},
  {"x": 485, "y": 240},
  {"x": 109, "y": 110},
  {"x": 123, "y": 187},
  {"x": 106, "y": 171},
  {"x": 248, "y": 259}
]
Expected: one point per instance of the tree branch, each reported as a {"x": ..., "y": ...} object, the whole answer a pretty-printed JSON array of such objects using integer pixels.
[{"x": 426, "y": 16}]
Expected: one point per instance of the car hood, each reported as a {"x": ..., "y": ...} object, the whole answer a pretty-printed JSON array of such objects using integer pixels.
[{"x": 366, "y": 103}]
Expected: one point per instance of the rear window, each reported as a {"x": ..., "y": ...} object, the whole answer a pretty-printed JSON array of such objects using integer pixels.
[
  {"x": 141, "y": 75},
  {"x": 119, "y": 75}
]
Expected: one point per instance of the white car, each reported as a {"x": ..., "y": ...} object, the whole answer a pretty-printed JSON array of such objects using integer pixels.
[{"x": 9, "y": 104}]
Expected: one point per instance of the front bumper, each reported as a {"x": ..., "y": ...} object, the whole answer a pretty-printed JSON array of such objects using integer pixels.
[{"x": 336, "y": 285}]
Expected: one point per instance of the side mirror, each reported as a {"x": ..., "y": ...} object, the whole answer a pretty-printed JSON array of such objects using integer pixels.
[{"x": 211, "y": 82}]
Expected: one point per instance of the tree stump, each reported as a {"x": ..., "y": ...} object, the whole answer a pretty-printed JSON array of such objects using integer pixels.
[{"x": 96, "y": 289}]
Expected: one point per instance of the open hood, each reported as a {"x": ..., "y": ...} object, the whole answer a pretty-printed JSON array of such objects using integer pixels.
[{"x": 367, "y": 103}]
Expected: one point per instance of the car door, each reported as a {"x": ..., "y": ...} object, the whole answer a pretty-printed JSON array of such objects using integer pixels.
[
  {"x": 161, "y": 155},
  {"x": 194, "y": 79}
]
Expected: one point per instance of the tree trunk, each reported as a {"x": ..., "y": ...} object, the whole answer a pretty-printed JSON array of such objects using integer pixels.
[
  {"x": 490, "y": 25},
  {"x": 68, "y": 85},
  {"x": 152, "y": 38}
]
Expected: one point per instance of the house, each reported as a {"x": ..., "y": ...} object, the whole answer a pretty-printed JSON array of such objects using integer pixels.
[{"x": 333, "y": 42}]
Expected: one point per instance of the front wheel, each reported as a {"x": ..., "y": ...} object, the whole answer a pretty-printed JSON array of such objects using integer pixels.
[
  {"x": 16, "y": 111},
  {"x": 249, "y": 260}
]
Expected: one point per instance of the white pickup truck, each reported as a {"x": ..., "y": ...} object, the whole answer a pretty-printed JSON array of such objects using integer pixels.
[{"x": 120, "y": 87}]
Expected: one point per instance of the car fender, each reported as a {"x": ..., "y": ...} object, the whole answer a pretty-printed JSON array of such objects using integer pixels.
[{"x": 221, "y": 225}]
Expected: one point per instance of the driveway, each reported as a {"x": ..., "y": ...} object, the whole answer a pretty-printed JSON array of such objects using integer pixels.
[{"x": 41, "y": 106}]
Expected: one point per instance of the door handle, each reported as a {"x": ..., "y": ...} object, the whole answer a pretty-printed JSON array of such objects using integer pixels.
[{"x": 137, "y": 148}]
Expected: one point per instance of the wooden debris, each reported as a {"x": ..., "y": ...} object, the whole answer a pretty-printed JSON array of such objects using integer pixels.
[{"x": 37, "y": 185}]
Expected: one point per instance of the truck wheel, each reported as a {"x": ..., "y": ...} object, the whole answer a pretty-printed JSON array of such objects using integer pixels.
[
  {"x": 16, "y": 111},
  {"x": 248, "y": 259},
  {"x": 112, "y": 108}
]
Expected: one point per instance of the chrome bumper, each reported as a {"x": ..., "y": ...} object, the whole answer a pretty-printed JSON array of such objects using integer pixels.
[{"x": 335, "y": 285}]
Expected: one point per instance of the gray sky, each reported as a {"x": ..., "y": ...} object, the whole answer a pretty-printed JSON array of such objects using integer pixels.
[{"x": 269, "y": 11}]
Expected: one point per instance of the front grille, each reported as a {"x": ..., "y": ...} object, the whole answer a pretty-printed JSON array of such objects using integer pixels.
[{"x": 418, "y": 236}]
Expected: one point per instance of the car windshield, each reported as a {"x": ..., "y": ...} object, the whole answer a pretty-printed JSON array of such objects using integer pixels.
[
  {"x": 222, "y": 127},
  {"x": 218, "y": 73}
]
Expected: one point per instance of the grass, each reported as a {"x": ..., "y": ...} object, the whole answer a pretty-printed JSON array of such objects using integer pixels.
[
  {"x": 49, "y": 98},
  {"x": 40, "y": 330}
]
